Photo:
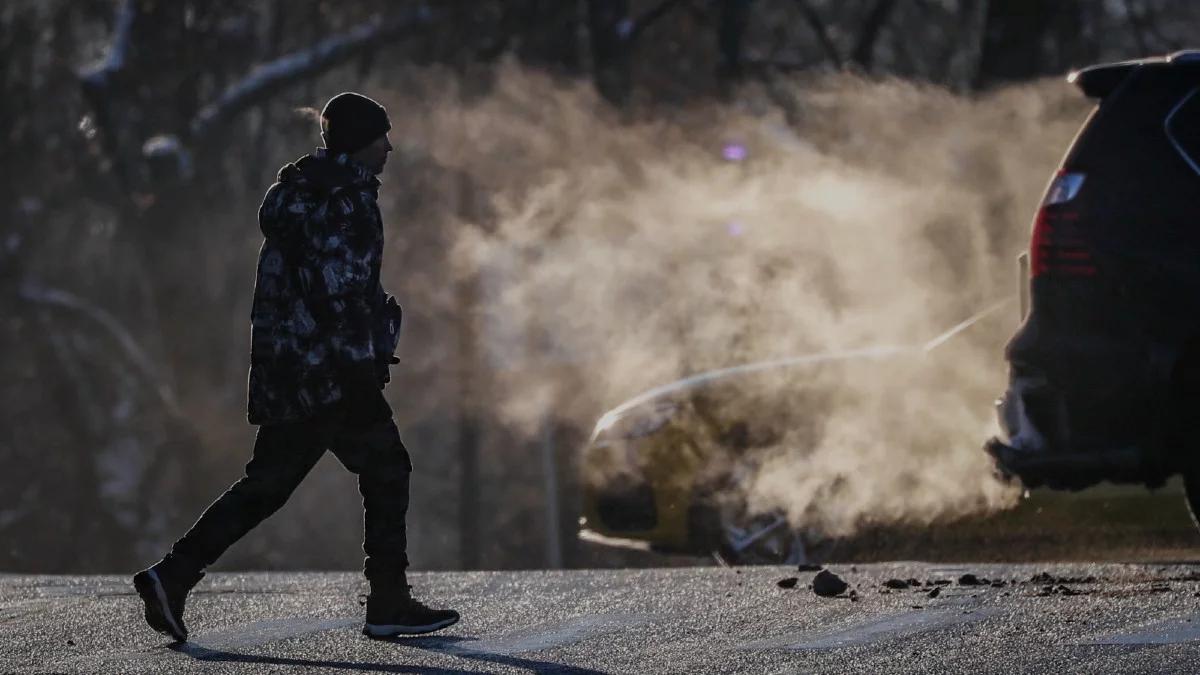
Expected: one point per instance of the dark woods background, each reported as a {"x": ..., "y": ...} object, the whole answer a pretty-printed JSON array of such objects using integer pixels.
[{"x": 138, "y": 139}]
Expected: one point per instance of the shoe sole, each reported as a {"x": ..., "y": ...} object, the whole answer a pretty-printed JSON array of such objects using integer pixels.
[
  {"x": 158, "y": 610},
  {"x": 391, "y": 630}
]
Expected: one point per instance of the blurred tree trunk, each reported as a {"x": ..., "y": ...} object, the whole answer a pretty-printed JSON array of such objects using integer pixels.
[
  {"x": 469, "y": 429},
  {"x": 613, "y": 32},
  {"x": 863, "y": 54},
  {"x": 468, "y": 360},
  {"x": 608, "y": 27},
  {"x": 735, "y": 15},
  {"x": 817, "y": 25},
  {"x": 549, "y": 33}
]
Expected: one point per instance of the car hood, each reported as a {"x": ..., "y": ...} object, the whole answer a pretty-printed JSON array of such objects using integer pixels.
[{"x": 693, "y": 382}]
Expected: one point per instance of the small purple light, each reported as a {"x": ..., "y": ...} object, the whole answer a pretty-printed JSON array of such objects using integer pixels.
[
  {"x": 735, "y": 229},
  {"x": 625, "y": 28},
  {"x": 734, "y": 152}
]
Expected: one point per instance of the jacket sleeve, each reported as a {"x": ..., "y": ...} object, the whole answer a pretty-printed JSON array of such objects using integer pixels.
[{"x": 339, "y": 270}]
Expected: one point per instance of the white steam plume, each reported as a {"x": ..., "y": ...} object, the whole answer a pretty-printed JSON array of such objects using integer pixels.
[{"x": 627, "y": 254}]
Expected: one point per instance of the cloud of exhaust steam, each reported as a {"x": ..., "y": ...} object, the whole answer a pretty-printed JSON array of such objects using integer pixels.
[{"x": 626, "y": 254}]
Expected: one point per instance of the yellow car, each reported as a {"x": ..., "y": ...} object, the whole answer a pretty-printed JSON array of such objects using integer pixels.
[{"x": 667, "y": 471}]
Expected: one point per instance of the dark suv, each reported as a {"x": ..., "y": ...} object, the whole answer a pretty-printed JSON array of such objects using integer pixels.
[{"x": 1104, "y": 377}]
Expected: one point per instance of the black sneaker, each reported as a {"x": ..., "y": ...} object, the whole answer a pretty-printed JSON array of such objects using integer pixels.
[
  {"x": 164, "y": 588},
  {"x": 392, "y": 612}
]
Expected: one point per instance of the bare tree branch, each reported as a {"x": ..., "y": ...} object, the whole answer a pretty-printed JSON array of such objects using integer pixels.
[
  {"x": 57, "y": 298},
  {"x": 289, "y": 69},
  {"x": 101, "y": 75},
  {"x": 822, "y": 32},
  {"x": 864, "y": 49},
  {"x": 98, "y": 83}
]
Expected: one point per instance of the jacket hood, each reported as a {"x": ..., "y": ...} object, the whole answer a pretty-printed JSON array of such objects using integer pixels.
[
  {"x": 307, "y": 181},
  {"x": 323, "y": 171}
]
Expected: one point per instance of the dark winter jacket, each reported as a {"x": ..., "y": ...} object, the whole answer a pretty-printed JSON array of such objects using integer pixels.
[{"x": 322, "y": 328}]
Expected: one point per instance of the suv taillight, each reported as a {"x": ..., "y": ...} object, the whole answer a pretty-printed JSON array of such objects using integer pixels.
[{"x": 1058, "y": 247}]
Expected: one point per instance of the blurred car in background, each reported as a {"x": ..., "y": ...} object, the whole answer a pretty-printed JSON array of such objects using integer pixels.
[
  {"x": 668, "y": 470},
  {"x": 1104, "y": 378}
]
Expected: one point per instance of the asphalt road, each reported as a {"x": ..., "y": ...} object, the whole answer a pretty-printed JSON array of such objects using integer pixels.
[{"x": 1089, "y": 618}]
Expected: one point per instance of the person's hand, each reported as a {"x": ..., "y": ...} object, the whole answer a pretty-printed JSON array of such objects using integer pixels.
[{"x": 395, "y": 312}]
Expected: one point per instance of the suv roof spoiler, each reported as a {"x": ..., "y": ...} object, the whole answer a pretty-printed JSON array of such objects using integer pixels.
[{"x": 1100, "y": 80}]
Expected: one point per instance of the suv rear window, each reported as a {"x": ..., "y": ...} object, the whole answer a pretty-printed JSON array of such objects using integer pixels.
[{"x": 1183, "y": 128}]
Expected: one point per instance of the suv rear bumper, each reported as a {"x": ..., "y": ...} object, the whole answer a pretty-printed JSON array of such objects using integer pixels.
[
  {"x": 1050, "y": 440},
  {"x": 1081, "y": 425},
  {"x": 1072, "y": 471}
]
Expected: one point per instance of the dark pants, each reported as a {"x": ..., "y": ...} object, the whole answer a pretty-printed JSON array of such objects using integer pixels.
[{"x": 364, "y": 439}]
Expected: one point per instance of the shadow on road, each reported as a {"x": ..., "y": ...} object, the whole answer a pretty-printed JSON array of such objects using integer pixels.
[
  {"x": 450, "y": 644},
  {"x": 442, "y": 644}
]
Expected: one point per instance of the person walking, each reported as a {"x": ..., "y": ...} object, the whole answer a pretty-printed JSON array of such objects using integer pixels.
[{"x": 323, "y": 336}]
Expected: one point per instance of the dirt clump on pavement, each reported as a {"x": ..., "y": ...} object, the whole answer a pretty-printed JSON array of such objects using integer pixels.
[
  {"x": 930, "y": 587},
  {"x": 1048, "y": 579},
  {"x": 827, "y": 584}
]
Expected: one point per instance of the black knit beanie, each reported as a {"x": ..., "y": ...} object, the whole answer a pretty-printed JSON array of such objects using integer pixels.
[{"x": 350, "y": 122}]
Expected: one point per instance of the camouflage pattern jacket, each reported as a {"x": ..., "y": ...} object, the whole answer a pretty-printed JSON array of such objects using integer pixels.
[{"x": 321, "y": 324}]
